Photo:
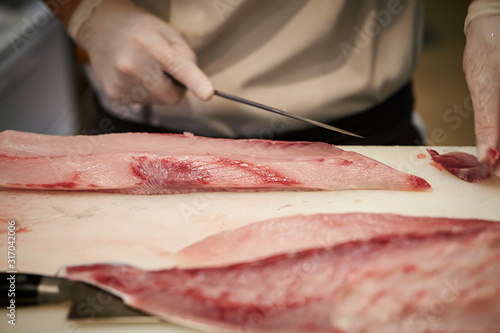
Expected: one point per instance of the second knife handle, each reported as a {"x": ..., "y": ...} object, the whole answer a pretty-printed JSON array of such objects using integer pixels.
[{"x": 19, "y": 289}]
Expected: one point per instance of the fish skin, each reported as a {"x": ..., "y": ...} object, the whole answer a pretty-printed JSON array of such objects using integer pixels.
[
  {"x": 442, "y": 279},
  {"x": 142, "y": 163}
]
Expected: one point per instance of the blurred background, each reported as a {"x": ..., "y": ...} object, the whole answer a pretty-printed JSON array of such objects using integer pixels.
[
  {"x": 42, "y": 89},
  {"x": 37, "y": 86},
  {"x": 443, "y": 99}
]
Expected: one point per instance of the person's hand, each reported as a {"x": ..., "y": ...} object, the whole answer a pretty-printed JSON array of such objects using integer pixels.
[
  {"x": 482, "y": 70},
  {"x": 130, "y": 48}
]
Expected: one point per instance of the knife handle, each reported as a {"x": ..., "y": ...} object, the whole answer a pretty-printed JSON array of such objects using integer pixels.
[{"x": 22, "y": 288}]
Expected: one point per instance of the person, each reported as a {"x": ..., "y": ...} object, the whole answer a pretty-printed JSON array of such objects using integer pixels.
[{"x": 347, "y": 63}]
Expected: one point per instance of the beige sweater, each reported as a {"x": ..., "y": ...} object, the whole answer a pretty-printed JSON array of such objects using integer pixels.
[{"x": 323, "y": 59}]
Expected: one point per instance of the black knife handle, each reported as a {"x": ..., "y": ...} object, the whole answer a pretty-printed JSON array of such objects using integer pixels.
[{"x": 22, "y": 288}]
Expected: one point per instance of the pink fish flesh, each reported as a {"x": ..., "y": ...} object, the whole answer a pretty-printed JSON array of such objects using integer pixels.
[
  {"x": 438, "y": 276},
  {"x": 141, "y": 163},
  {"x": 300, "y": 232},
  {"x": 466, "y": 166}
]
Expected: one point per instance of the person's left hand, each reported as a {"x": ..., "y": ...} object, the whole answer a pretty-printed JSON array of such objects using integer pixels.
[{"x": 481, "y": 65}]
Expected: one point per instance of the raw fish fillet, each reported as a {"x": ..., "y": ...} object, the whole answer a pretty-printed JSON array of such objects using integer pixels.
[
  {"x": 466, "y": 166},
  {"x": 436, "y": 276},
  {"x": 294, "y": 233},
  {"x": 141, "y": 163}
]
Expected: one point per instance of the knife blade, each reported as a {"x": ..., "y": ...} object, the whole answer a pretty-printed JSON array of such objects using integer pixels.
[
  {"x": 271, "y": 109},
  {"x": 88, "y": 302}
]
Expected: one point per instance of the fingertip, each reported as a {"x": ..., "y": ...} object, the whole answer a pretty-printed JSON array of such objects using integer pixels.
[{"x": 204, "y": 92}]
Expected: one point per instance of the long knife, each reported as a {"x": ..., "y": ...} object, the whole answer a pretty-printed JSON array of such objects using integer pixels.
[
  {"x": 84, "y": 57},
  {"x": 271, "y": 109}
]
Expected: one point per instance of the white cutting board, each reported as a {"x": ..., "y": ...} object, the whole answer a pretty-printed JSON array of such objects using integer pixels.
[{"x": 69, "y": 228}]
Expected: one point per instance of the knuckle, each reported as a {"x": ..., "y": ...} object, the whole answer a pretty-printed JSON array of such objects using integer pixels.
[
  {"x": 486, "y": 129},
  {"x": 175, "y": 64},
  {"x": 189, "y": 54},
  {"x": 125, "y": 66},
  {"x": 137, "y": 40}
]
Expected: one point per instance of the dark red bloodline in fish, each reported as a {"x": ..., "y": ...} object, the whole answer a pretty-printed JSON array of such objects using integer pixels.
[{"x": 173, "y": 172}]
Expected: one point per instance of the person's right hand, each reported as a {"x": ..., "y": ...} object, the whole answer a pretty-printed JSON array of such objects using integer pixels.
[
  {"x": 482, "y": 70},
  {"x": 130, "y": 48}
]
